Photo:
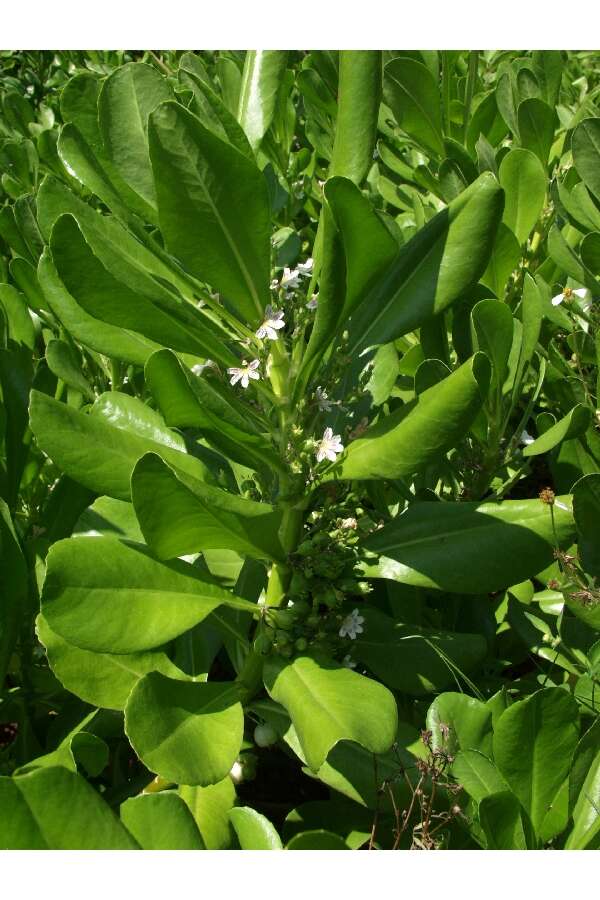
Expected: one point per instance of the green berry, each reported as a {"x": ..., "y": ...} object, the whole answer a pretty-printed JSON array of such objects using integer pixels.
[{"x": 265, "y": 735}]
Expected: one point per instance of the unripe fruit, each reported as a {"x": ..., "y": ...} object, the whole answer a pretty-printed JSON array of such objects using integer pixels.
[
  {"x": 263, "y": 642},
  {"x": 265, "y": 735},
  {"x": 301, "y": 644}
]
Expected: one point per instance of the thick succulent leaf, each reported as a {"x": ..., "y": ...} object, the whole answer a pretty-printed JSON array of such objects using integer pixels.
[
  {"x": 54, "y": 809},
  {"x": 102, "y": 679},
  {"x": 180, "y": 515},
  {"x": 213, "y": 208},
  {"x": 329, "y": 703},
  {"x": 585, "y": 145},
  {"x": 101, "y": 453},
  {"x": 411, "y": 92},
  {"x": 523, "y": 180},
  {"x": 359, "y": 94},
  {"x": 187, "y": 733},
  {"x": 415, "y": 660},
  {"x": 534, "y": 741},
  {"x": 420, "y": 432},
  {"x": 433, "y": 269},
  {"x": 261, "y": 78},
  {"x": 161, "y": 822},
  {"x": 254, "y": 831},
  {"x": 492, "y": 333},
  {"x": 536, "y": 127},
  {"x": 108, "y": 596},
  {"x": 573, "y": 425},
  {"x": 126, "y": 99},
  {"x": 469, "y": 548}
]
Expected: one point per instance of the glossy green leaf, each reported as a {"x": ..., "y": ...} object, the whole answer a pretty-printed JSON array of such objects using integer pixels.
[
  {"x": 500, "y": 815},
  {"x": 492, "y": 332},
  {"x": 419, "y": 432},
  {"x": 412, "y": 659},
  {"x": 125, "y": 101},
  {"x": 102, "y": 679},
  {"x": 187, "y": 733},
  {"x": 54, "y": 809},
  {"x": 319, "y": 839},
  {"x": 411, "y": 92},
  {"x": 20, "y": 324},
  {"x": 433, "y": 269},
  {"x": 263, "y": 71},
  {"x": 536, "y": 127},
  {"x": 469, "y": 548},
  {"x": 161, "y": 822},
  {"x": 585, "y": 145},
  {"x": 574, "y": 424},
  {"x": 181, "y": 515},
  {"x": 254, "y": 831},
  {"x": 99, "y": 453},
  {"x": 459, "y": 722},
  {"x": 328, "y": 703},
  {"x": 210, "y": 808},
  {"x": 523, "y": 180},
  {"x": 64, "y": 364},
  {"x": 104, "y": 595},
  {"x": 213, "y": 208},
  {"x": 114, "y": 342},
  {"x": 477, "y": 774},
  {"x": 534, "y": 741},
  {"x": 503, "y": 259},
  {"x": 359, "y": 94}
]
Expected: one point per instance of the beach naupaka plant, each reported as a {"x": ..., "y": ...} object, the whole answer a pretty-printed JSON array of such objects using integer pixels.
[{"x": 268, "y": 474}]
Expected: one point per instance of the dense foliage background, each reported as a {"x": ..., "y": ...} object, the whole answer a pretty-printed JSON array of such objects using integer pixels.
[{"x": 299, "y": 449}]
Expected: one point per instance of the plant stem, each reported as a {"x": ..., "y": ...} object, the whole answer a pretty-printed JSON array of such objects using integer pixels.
[{"x": 470, "y": 90}]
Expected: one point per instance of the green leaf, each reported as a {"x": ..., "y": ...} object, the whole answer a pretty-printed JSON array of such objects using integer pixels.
[
  {"x": 187, "y": 733},
  {"x": 585, "y": 146},
  {"x": 433, "y": 269},
  {"x": 13, "y": 586},
  {"x": 161, "y": 822},
  {"x": 319, "y": 839},
  {"x": 261, "y": 78},
  {"x": 421, "y": 431},
  {"x": 54, "y": 809},
  {"x": 584, "y": 790},
  {"x": 64, "y": 364},
  {"x": 524, "y": 182},
  {"x": 586, "y": 509},
  {"x": 477, "y": 775},
  {"x": 104, "y": 297},
  {"x": 99, "y": 453},
  {"x": 254, "y": 831},
  {"x": 359, "y": 95},
  {"x": 108, "y": 596},
  {"x": 411, "y": 92},
  {"x": 415, "y": 660},
  {"x": 573, "y": 425},
  {"x": 329, "y": 703},
  {"x": 350, "y": 821},
  {"x": 469, "y": 548},
  {"x": 112, "y": 341},
  {"x": 20, "y": 324},
  {"x": 503, "y": 259},
  {"x": 210, "y": 808},
  {"x": 468, "y": 724},
  {"x": 213, "y": 208},
  {"x": 180, "y": 515},
  {"x": 534, "y": 741},
  {"x": 501, "y": 819},
  {"x": 102, "y": 679},
  {"x": 492, "y": 331},
  {"x": 536, "y": 127},
  {"x": 126, "y": 99}
]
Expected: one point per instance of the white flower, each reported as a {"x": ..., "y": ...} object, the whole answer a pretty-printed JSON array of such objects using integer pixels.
[
  {"x": 567, "y": 294},
  {"x": 349, "y": 523},
  {"x": 313, "y": 302},
  {"x": 305, "y": 268},
  {"x": 272, "y": 323},
  {"x": 526, "y": 438},
  {"x": 244, "y": 373},
  {"x": 329, "y": 446},
  {"x": 352, "y": 625},
  {"x": 274, "y": 284},
  {"x": 237, "y": 773},
  {"x": 323, "y": 402},
  {"x": 290, "y": 278},
  {"x": 348, "y": 662}
]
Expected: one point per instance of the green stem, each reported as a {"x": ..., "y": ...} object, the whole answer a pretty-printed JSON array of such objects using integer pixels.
[{"x": 471, "y": 79}]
